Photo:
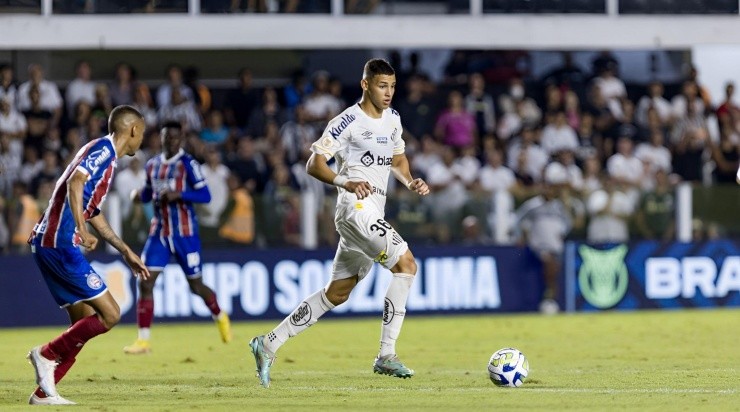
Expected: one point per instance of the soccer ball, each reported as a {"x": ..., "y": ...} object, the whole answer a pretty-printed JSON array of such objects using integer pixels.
[{"x": 508, "y": 367}]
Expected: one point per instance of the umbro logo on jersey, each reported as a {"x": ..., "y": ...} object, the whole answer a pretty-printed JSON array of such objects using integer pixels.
[
  {"x": 367, "y": 159},
  {"x": 367, "y": 135}
]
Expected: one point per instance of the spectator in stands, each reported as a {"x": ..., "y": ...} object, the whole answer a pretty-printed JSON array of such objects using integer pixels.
[
  {"x": 494, "y": 176},
  {"x": 248, "y": 165},
  {"x": 625, "y": 168},
  {"x": 480, "y": 104},
  {"x": 217, "y": 177},
  {"x": 592, "y": 176},
  {"x": 603, "y": 61},
  {"x": 131, "y": 178},
  {"x": 102, "y": 105},
  {"x": 568, "y": 76},
  {"x": 728, "y": 113},
  {"x": 417, "y": 111},
  {"x": 282, "y": 208},
  {"x": 603, "y": 117},
  {"x": 610, "y": 209},
  {"x": 456, "y": 71},
  {"x": 297, "y": 135},
  {"x": 8, "y": 88},
  {"x": 269, "y": 111},
  {"x": 572, "y": 109},
  {"x": 553, "y": 99},
  {"x": 31, "y": 165},
  {"x": 544, "y": 222},
  {"x": 655, "y": 154},
  {"x": 50, "y": 98},
  {"x": 455, "y": 127},
  {"x": 466, "y": 166},
  {"x": 24, "y": 214},
  {"x": 81, "y": 89},
  {"x": 238, "y": 226},
  {"x": 558, "y": 135},
  {"x": 702, "y": 91},
  {"x": 241, "y": 101},
  {"x": 688, "y": 103},
  {"x": 49, "y": 173},
  {"x": 691, "y": 121},
  {"x": 201, "y": 93},
  {"x": 473, "y": 233},
  {"x": 448, "y": 195},
  {"x": 567, "y": 159},
  {"x": 124, "y": 85},
  {"x": 214, "y": 131},
  {"x": 295, "y": 91},
  {"x": 174, "y": 82},
  {"x": 12, "y": 124},
  {"x": 10, "y": 164},
  {"x": 526, "y": 158},
  {"x": 143, "y": 103},
  {"x": 336, "y": 90},
  {"x": 181, "y": 110},
  {"x": 623, "y": 125},
  {"x": 656, "y": 210},
  {"x": 610, "y": 86},
  {"x": 589, "y": 142},
  {"x": 654, "y": 100},
  {"x": 518, "y": 111},
  {"x": 726, "y": 156},
  {"x": 428, "y": 156},
  {"x": 688, "y": 155},
  {"x": 38, "y": 120},
  {"x": 320, "y": 105}
]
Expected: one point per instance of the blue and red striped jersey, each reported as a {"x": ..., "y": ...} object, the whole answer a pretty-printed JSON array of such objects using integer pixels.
[
  {"x": 97, "y": 160},
  {"x": 180, "y": 173}
]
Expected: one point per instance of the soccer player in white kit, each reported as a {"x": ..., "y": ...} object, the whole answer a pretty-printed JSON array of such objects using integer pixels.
[{"x": 366, "y": 141}]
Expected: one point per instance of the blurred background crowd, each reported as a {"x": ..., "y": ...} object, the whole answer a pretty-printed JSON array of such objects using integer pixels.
[{"x": 510, "y": 157}]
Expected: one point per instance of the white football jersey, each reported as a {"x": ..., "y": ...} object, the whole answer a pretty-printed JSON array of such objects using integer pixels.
[{"x": 364, "y": 148}]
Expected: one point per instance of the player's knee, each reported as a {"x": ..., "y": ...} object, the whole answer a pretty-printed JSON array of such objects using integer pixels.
[
  {"x": 406, "y": 264},
  {"x": 111, "y": 319},
  {"x": 337, "y": 297}
]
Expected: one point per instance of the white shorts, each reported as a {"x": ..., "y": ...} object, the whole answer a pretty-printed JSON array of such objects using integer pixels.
[{"x": 365, "y": 238}]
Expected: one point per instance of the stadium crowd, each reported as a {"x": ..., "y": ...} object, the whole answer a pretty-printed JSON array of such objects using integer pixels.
[{"x": 573, "y": 153}]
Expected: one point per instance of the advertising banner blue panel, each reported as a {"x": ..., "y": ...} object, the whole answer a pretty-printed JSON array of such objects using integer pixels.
[
  {"x": 652, "y": 275},
  {"x": 269, "y": 284}
]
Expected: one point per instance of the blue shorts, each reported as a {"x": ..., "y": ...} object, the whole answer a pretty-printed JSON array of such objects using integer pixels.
[
  {"x": 158, "y": 250},
  {"x": 68, "y": 274}
]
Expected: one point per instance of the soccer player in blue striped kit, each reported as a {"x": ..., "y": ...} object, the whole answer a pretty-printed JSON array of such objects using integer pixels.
[
  {"x": 174, "y": 183},
  {"x": 77, "y": 199}
]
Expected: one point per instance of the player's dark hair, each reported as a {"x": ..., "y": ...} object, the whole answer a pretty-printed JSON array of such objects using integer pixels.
[
  {"x": 376, "y": 67},
  {"x": 119, "y": 114},
  {"x": 172, "y": 125}
]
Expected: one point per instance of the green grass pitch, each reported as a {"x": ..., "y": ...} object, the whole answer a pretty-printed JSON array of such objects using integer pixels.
[{"x": 660, "y": 361}]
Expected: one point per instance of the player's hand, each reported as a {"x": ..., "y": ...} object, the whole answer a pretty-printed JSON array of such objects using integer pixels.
[
  {"x": 419, "y": 186},
  {"x": 87, "y": 239},
  {"x": 361, "y": 189},
  {"x": 137, "y": 266},
  {"x": 169, "y": 196},
  {"x": 135, "y": 196}
]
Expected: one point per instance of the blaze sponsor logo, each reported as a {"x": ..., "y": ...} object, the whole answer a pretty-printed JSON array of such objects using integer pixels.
[
  {"x": 384, "y": 161},
  {"x": 302, "y": 315},
  {"x": 338, "y": 129}
]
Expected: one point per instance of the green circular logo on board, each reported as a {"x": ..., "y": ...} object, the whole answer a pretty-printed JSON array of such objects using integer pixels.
[{"x": 603, "y": 276}]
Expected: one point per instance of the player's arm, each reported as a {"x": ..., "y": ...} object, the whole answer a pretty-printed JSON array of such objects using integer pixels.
[
  {"x": 402, "y": 171},
  {"x": 75, "y": 189},
  {"x": 318, "y": 168},
  {"x": 132, "y": 259},
  {"x": 196, "y": 191}
]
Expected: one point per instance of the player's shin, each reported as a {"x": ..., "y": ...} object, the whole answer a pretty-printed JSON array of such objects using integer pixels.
[
  {"x": 72, "y": 340},
  {"x": 394, "y": 311},
  {"x": 144, "y": 317},
  {"x": 305, "y": 315}
]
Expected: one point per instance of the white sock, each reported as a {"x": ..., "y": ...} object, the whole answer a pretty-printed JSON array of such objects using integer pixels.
[
  {"x": 305, "y": 315},
  {"x": 394, "y": 311},
  {"x": 144, "y": 333}
]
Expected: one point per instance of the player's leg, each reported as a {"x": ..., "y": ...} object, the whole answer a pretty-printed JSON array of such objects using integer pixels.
[
  {"x": 71, "y": 281},
  {"x": 349, "y": 268},
  {"x": 550, "y": 272},
  {"x": 76, "y": 313},
  {"x": 187, "y": 254},
  {"x": 156, "y": 255}
]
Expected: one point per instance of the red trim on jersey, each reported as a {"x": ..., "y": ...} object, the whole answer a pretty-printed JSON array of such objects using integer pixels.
[
  {"x": 166, "y": 224},
  {"x": 58, "y": 200},
  {"x": 183, "y": 214},
  {"x": 99, "y": 192}
]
